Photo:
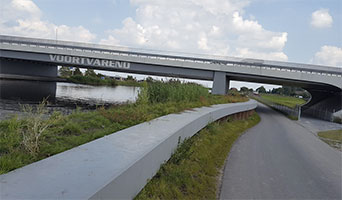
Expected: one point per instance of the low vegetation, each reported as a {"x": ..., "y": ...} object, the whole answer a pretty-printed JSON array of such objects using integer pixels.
[
  {"x": 288, "y": 101},
  {"x": 192, "y": 171},
  {"x": 36, "y": 135},
  {"x": 332, "y": 137},
  {"x": 90, "y": 80}
]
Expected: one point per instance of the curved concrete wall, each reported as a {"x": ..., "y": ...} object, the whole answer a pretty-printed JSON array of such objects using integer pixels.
[{"x": 116, "y": 166}]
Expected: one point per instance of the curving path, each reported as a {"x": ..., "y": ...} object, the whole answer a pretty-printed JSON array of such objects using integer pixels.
[{"x": 279, "y": 159}]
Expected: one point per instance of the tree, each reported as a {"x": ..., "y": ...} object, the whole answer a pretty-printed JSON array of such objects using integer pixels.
[
  {"x": 65, "y": 71},
  {"x": 130, "y": 78},
  {"x": 78, "y": 72},
  {"x": 149, "y": 79},
  {"x": 244, "y": 89},
  {"x": 261, "y": 89},
  {"x": 288, "y": 91},
  {"x": 233, "y": 92},
  {"x": 278, "y": 91},
  {"x": 90, "y": 72}
]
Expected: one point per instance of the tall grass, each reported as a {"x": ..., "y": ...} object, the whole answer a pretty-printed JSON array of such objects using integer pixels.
[{"x": 175, "y": 91}]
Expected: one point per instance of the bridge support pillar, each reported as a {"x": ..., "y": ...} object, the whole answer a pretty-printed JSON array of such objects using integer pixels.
[
  {"x": 220, "y": 83},
  {"x": 18, "y": 80}
]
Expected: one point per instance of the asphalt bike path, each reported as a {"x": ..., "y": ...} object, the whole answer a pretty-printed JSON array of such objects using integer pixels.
[{"x": 280, "y": 159}]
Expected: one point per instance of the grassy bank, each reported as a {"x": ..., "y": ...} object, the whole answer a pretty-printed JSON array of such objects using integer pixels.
[
  {"x": 332, "y": 137},
  {"x": 288, "y": 112},
  {"x": 288, "y": 101},
  {"x": 36, "y": 136},
  {"x": 191, "y": 173}
]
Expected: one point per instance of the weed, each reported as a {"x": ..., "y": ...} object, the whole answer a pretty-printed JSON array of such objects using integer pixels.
[{"x": 34, "y": 126}]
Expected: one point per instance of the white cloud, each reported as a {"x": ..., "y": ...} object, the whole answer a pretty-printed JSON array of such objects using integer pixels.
[
  {"x": 245, "y": 52},
  {"x": 321, "y": 19},
  {"x": 198, "y": 26},
  {"x": 23, "y": 18},
  {"x": 329, "y": 55}
]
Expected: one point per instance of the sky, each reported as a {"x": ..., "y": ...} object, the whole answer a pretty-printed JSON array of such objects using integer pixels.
[{"x": 304, "y": 31}]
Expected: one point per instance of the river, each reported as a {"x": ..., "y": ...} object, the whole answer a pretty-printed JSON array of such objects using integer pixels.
[
  {"x": 68, "y": 96},
  {"x": 96, "y": 94}
]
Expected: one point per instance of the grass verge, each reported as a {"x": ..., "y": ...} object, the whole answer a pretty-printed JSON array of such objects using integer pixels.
[
  {"x": 29, "y": 139},
  {"x": 288, "y": 101},
  {"x": 332, "y": 137},
  {"x": 192, "y": 171},
  {"x": 291, "y": 115}
]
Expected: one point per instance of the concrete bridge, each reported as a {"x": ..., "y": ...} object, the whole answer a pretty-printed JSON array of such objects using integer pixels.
[{"x": 40, "y": 58}]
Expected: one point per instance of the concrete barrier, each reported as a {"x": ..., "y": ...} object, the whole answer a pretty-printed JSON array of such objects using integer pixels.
[{"x": 116, "y": 166}]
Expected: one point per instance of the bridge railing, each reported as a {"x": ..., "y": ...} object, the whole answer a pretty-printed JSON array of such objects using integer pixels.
[{"x": 175, "y": 56}]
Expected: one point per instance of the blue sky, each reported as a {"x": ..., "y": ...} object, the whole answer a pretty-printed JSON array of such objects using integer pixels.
[
  {"x": 306, "y": 31},
  {"x": 293, "y": 16}
]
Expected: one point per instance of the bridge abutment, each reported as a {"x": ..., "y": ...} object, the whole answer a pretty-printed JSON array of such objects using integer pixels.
[
  {"x": 18, "y": 67},
  {"x": 13, "y": 88},
  {"x": 220, "y": 83},
  {"x": 322, "y": 103}
]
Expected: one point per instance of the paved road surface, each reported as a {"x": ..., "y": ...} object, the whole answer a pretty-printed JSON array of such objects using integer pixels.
[{"x": 279, "y": 159}]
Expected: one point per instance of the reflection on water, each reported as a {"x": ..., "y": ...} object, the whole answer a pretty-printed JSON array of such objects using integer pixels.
[
  {"x": 100, "y": 94},
  {"x": 64, "y": 97},
  {"x": 27, "y": 90}
]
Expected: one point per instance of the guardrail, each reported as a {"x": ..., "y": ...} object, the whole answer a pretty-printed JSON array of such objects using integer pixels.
[
  {"x": 116, "y": 166},
  {"x": 178, "y": 56}
]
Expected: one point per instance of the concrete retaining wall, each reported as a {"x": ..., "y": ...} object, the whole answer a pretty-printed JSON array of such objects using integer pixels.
[{"x": 116, "y": 166}]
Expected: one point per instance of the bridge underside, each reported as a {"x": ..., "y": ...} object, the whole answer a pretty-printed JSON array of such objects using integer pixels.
[{"x": 324, "y": 98}]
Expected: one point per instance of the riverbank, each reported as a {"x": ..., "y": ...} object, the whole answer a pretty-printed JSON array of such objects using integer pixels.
[
  {"x": 71, "y": 96},
  {"x": 20, "y": 144},
  {"x": 102, "y": 81}
]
